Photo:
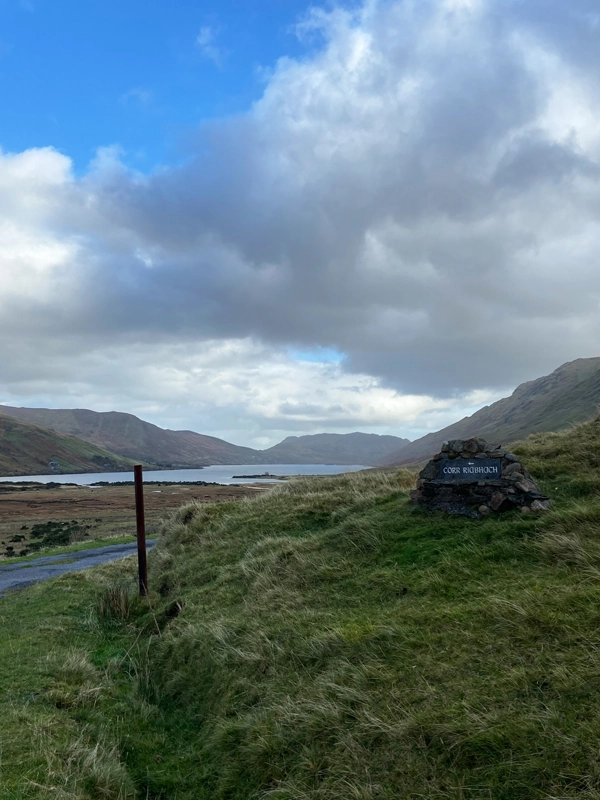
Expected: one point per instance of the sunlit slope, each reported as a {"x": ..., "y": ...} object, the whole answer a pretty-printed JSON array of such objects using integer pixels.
[
  {"x": 27, "y": 449},
  {"x": 337, "y": 643},
  {"x": 569, "y": 395}
]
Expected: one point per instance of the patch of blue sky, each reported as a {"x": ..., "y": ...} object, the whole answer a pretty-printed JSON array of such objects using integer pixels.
[
  {"x": 319, "y": 355},
  {"x": 133, "y": 73}
]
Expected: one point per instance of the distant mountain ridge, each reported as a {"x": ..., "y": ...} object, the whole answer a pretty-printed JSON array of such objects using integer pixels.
[
  {"x": 569, "y": 395},
  {"x": 136, "y": 439},
  {"x": 335, "y": 448},
  {"x": 28, "y": 449}
]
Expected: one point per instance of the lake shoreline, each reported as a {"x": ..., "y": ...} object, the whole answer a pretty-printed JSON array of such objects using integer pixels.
[{"x": 222, "y": 474}]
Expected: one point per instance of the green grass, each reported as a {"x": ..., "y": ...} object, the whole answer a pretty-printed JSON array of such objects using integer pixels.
[
  {"x": 51, "y": 745},
  {"x": 324, "y": 641}
]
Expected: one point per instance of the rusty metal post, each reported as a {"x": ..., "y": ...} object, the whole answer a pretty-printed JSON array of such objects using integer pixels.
[{"x": 141, "y": 529}]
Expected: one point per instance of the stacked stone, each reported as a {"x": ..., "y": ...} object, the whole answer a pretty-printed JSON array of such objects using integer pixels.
[{"x": 513, "y": 487}]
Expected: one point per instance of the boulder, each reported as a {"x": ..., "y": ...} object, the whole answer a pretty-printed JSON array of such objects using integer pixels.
[
  {"x": 500, "y": 502},
  {"x": 540, "y": 505}
]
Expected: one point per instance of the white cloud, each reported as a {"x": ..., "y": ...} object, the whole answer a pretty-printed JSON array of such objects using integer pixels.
[
  {"x": 137, "y": 96},
  {"x": 31, "y": 180},
  {"x": 206, "y": 41},
  {"x": 35, "y": 260},
  {"x": 233, "y": 388}
]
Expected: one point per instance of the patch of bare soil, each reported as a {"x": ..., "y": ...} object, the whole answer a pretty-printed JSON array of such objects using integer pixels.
[{"x": 95, "y": 513}]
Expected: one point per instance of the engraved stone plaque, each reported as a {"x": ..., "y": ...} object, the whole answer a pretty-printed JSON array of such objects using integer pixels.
[{"x": 465, "y": 470}]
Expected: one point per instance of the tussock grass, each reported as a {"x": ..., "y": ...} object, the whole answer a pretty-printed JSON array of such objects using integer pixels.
[
  {"x": 336, "y": 643},
  {"x": 572, "y": 456},
  {"x": 328, "y": 641},
  {"x": 58, "y": 739},
  {"x": 569, "y": 463},
  {"x": 89, "y": 766},
  {"x": 116, "y": 602}
]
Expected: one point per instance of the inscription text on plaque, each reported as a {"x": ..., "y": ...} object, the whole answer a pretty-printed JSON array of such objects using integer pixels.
[{"x": 460, "y": 470}]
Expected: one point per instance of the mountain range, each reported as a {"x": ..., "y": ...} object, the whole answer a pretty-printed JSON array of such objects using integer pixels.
[
  {"x": 133, "y": 438},
  {"x": 80, "y": 440}
]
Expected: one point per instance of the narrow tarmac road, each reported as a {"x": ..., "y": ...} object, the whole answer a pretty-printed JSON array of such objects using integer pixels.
[{"x": 26, "y": 573}]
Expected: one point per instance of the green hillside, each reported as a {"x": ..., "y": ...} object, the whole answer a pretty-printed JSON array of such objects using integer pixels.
[
  {"x": 324, "y": 641},
  {"x": 27, "y": 449},
  {"x": 569, "y": 395}
]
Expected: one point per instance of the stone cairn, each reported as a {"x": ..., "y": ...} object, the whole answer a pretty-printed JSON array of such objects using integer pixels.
[{"x": 473, "y": 479}]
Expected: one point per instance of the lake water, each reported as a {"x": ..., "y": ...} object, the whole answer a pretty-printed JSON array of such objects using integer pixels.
[{"x": 215, "y": 474}]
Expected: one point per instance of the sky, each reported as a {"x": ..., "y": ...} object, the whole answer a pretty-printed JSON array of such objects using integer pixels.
[{"x": 261, "y": 219}]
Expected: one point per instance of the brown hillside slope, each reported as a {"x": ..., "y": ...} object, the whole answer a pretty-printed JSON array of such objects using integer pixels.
[
  {"x": 133, "y": 438},
  {"x": 27, "y": 449},
  {"x": 569, "y": 395}
]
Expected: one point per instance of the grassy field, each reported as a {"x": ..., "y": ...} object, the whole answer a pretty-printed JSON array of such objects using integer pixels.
[{"x": 323, "y": 641}]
